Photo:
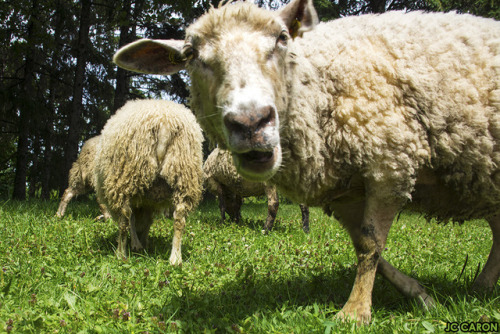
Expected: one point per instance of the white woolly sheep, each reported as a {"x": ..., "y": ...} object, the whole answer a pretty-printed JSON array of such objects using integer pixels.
[
  {"x": 222, "y": 180},
  {"x": 149, "y": 159},
  {"x": 80, "y": 179},
  {"x": 361, "y": 116}
]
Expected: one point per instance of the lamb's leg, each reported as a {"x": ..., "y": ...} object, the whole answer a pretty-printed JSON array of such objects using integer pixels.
[
  {"x": 69, "y": 193},
  {"x": 488, "y": 277},
  {"x": 368, "y": 223},
  {"x": 305, "y": 217},
  {"x": 179, "y": 224},
  {"x": 272, "y": 207}
]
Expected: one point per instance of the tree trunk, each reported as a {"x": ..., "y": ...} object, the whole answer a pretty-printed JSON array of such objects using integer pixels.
[
  {"x": 25, "y": 108},
  {"x": 377, "y": 6},
  {"x": 49, "y": 128},
  {"x": 75, "y": 117},
  {"x": 127, "y": 35}
]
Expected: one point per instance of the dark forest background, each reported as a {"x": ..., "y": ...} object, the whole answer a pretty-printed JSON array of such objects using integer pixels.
[{"x": 58, "y": 85}]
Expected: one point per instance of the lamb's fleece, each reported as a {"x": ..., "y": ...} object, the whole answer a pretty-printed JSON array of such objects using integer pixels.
[
  {"x": 149, "y": 158},
  {"x": 80, "y": 179}
]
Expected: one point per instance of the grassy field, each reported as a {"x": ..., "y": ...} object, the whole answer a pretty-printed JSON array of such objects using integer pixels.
[{"x": 61, "y": 275}]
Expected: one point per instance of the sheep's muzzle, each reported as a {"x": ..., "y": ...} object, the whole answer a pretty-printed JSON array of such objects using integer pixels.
[{"x": 254, "y": 141}]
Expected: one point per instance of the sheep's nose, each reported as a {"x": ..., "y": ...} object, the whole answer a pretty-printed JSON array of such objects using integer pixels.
[{"x": 250, "y": 123}]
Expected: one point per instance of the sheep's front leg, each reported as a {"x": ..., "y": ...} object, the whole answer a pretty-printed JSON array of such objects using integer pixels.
[
  {"x": 179, "y": 224},
  {"x": 69, "y": 193},
  {"x": 368, "y": 223},
  {"x": 272, "y": 207}
]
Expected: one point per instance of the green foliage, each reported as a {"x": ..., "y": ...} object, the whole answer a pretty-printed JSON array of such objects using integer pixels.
[
  {"x": 486, "y": 8},
  {"x": 61, "y": 275}
]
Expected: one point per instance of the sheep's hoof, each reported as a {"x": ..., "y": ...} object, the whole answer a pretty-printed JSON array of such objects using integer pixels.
[
  {"x": 175, "y": 260},
  {"x": 426, "y": 301},
  {"x": 121, "y": 254},
  {"x": 482, "y": 288},
  {"x": 361, "y": 315}
]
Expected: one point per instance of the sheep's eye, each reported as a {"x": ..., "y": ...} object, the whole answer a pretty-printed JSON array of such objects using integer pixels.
[
  {"x": 188, "y": 52},
  {"x": 283, "y": 38}
]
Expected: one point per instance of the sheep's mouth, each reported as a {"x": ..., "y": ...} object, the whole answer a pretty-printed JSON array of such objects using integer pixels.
[{"x": 257, "y": 165}]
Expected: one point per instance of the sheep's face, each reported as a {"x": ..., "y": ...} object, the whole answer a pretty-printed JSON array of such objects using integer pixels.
[{"x": 235, "y": 56}]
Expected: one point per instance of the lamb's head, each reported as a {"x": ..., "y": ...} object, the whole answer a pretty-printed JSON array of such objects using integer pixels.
[{"x": 236, "y": 58}]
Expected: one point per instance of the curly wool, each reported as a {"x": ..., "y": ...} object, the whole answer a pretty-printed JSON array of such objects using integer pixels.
[
  {"x": 379, "y": 100},
  {"x": 219, "y": 169},
  {"x": 150, "y": 155},
  {"x": 81, "y": 178}
]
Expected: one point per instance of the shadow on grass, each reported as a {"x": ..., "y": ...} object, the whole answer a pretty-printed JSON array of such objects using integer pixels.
[
  {"x": 158, "y": 247},
  {"x": 265, "y": 297}
]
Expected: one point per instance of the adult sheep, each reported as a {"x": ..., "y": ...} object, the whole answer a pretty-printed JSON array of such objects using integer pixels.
[
  {"x": 222, "y": 180},
  {"x": 80, "y": 179},
  {"x": 149, "y": 159},
  {"x": 361, "y": 116}
]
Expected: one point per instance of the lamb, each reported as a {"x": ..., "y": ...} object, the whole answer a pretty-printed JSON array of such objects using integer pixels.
[
  {"x": 149, "y": 159},
  {"x": 362, "y": 116},
  {"x": 81, "y": 177},
  {"x": 222, "y": 180}
]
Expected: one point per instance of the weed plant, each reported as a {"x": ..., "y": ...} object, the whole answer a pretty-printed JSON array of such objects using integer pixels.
[{"x": 62, "y": 276}]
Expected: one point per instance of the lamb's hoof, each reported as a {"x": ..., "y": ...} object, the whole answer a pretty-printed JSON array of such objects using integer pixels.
[
  {"x": 305, "y": 229},
  {"x": 360, "y": 315}
]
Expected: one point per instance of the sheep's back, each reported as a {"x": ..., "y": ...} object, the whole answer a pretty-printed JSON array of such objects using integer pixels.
[
  {"x": 148, "y": 148},
  {"x": 395, "y": 92}
]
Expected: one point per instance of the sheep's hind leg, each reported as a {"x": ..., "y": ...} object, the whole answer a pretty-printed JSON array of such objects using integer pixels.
[
  {"x": 272, "y": 207},
  {"x": 143, "y": 222},
  {"x": 179, "y": 224},
  {"x": 69, "y": 193},
  {"x": 406, "y": 285},
  {"x": 135, "y": 244},
  {"x": 121, "y": 250},
  {"x": 488, "y": 278},
  {"x": 305, "y": 217}
]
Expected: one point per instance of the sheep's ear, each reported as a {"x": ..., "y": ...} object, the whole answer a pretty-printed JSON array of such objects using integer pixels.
[
  {"x": 152, "y": 56},
  {"x": 299, "y": 16}
]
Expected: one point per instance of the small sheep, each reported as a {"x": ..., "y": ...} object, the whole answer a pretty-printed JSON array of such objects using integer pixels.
[
  {"x": 222, "y": 180},
  {"x": 362, "y": 116},
  {"x": 80, "y": 179},
  {"x": 149, "y": 159}
]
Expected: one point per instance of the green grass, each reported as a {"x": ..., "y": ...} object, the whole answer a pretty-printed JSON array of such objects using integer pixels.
[{"x": 61, "y": 275}]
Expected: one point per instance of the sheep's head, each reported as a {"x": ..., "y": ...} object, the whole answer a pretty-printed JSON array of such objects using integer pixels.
[{"x": 235, "y": 56}]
